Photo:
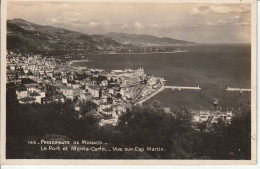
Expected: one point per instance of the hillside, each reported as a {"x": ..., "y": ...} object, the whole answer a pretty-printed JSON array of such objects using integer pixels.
[
  {"x": 28, "y": 36},
  {"x": 145, "y": 40}
]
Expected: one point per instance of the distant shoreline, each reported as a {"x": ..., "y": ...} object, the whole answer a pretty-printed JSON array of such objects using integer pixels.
[{"x": 142, "y": 53}]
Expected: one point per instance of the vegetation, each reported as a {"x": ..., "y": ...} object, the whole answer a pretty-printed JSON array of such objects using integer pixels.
[{"x": 141, "y": 126}]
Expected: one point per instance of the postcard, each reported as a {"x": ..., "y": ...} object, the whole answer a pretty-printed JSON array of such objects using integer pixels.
[{"x": 128, "y": 82}]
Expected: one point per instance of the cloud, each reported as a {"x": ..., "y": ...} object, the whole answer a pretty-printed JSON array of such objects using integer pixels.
[
  {"x": 219, "y": 9},
  {"x": 124, "y": 26},
  {"x": 236, "y": 20},
  {"x": 107, "y": 23},
  {"x": 232, "y": 21},
  {"x": 54, "y": 20},
  {"x": 64, "y": 20},
  {"x": 199, "y": 10},
  {"x": 138, "y": 25},
  {"x": 93, "y": 24},
  {"x": 61, "y": 6},
  {"x": 153, "y": 26}
]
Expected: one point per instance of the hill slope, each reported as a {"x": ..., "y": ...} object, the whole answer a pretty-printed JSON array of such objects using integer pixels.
[
  {"x": 145, "y": 40},
  {"x": 28, "y": 36}
]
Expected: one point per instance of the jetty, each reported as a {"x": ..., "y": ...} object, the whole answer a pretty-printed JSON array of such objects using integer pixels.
[
  {"x": 74, "y": 61},
  {"x": 166, "y": 87},
  {"x": 238, "y": 89},
  {"x": 182, "y": 88}
]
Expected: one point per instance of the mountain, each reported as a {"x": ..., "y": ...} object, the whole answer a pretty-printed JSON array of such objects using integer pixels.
[
  {"x": 145, "y": 40},
  {"x": 28, "y": 36}
]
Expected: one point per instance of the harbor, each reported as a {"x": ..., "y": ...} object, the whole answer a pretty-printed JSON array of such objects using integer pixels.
[{"x": 190, "y": 92}]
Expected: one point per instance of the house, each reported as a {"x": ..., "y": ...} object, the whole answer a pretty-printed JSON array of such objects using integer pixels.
[
  {"x": 31, "y": 87},
  {"x": 120, "y": 109},
  {"x": 104, "y": 83},
  {"x": 123, "y": 91},
  {"x": 67, "y": 92},
  {"x": 105, "y": 94},
  {"x": 58, "y": 98},
  {"x": 129, "y": 80},
  {"x": 64, "y": 80},
  {"x": 77, "y": 108},
  {"x": 229, "y": 116},
  {"x": 11, "y": 76},
  {"x": 27, "y": 100},
  {"x": 196, "y": 118},
  {"x": 94, "y": 90},
  {"x": 214, "y": 119},
  {"x": 26, "y": 71},
  {"x": 108, "y": 122},
  {"x": 11, "y": 66},
  {"x": 111, "y": 91},
  {"x": 76, "y": 93},
  {"x": 217, "y": 114},
  {"x": 21, "y": 92},
  {"x": 49, "y": 73},
  {"x": 105, "y": 106},
  {"x": 85, "y": 96},
  {"x": 107, "y": 111},
  {"x": 229, "y": 113},
  {"x": 36, "y": 96},
  {"x": 167, "y": 110},
  {"x": 204, "y": 115},
  {"x": 129, "y": 94},
  {"x": 75, "y": 86},
  {"x": 152, "y": 81}
]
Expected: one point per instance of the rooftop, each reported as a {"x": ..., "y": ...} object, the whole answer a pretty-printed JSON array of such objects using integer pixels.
[
  {"x": 31, "y": 85},
  {"x": 34, "y": 94},
  {"x": 27, "y": 99},
  {"x": 21, "y": 89}
]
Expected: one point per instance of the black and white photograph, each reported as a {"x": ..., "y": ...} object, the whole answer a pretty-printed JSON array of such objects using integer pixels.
[{"x": 122, "y": 80}]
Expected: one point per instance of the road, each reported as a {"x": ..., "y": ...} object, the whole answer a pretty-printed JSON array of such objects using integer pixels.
[{"x": 151, "y": 95}]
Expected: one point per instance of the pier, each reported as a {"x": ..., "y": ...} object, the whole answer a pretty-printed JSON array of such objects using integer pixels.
[
  {"x": 238, "y": 89},
  {"x": 74, "y": 61},
  {"x": 167, "y": 87},
  {"x": 182, "y": 88}
]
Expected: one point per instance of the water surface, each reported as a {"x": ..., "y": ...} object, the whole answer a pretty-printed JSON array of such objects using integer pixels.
[{"x": 212, "y": 67}]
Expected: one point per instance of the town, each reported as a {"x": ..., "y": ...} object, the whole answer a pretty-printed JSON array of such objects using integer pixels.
[
  {"x": 50, "y": 80},
  {"x": 44, "y": 80}
]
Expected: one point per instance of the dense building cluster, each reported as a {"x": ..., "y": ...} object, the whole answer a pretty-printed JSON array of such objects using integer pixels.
[
  {"x": 44, "y": 80},
  {"x": 212, "y": 116}
]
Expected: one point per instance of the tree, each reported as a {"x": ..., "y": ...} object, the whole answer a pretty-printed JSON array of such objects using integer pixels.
[
  {"x": 87, "y": 106},
  {"x": 150, "y": 126}
]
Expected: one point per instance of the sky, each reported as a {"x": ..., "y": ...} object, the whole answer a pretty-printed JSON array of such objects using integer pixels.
[{"x": 201, "y": 23}]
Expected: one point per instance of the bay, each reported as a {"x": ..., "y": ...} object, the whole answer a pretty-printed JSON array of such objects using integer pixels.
[{"x": 212, "y": 67}]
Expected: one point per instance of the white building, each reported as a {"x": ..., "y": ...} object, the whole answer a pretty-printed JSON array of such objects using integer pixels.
[
  {"x": 31, "y": 87},
  {"x": 21, "y": 93},
  {"x": 64, "y": 80}
]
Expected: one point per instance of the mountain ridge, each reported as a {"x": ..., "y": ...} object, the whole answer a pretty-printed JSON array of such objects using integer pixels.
[
  {"x": 145, "y": 40},
  {"x": 31, "y": 37}
]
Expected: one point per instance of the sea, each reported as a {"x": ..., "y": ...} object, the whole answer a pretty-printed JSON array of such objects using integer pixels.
[{"x": 213, "y": 68}]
